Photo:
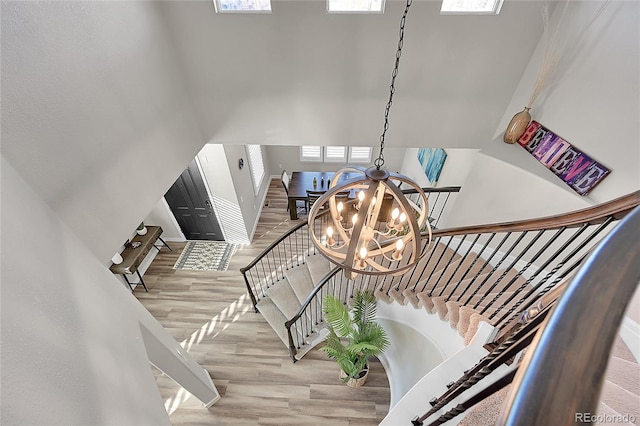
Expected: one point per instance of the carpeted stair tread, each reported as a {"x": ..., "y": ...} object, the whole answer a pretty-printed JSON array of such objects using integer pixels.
[
  {"x": 284, "y": 298},
  {"x": 410, "y": 296},
  {"x": 444, "y": 281},
  {"x": 397, "y": 295},
  {"x": 382, "y": 295},
  {"x": 465, "y": 288},
  {"x": 440, "y": 306},
  {"x": 493, "y": 286},
  {"x": 619, "y": 399},
  {"x": 607, "y": 412},
  {"x": 425, "y": 265},
  {"x": 300, "y": 281},
  {"x": 486, "y": 412},
  {"x": 274, "y": 317},
  {"x": 621, "y": 350},
  {"x": 623, "y": 373},
  {"x": 483, "y": 283},
  {"x": 318, "y": 267}
]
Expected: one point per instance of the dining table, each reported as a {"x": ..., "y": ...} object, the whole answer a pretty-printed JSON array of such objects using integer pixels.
[{"x": 300, "y": 182}]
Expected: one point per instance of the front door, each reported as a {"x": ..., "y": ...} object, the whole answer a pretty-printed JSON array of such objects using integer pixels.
[{"x": 190, "y": 204}]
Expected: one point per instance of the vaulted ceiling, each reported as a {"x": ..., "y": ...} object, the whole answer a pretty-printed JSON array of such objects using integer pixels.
[{"x": 302, "y": 76}]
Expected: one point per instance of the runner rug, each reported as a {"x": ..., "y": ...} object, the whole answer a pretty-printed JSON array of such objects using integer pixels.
[{"x": 205, "y": 256}]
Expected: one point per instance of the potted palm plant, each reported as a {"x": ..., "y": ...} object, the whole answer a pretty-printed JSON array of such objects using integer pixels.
[
  {"x": 142, "y": 229},
  {"x": 354, "y": 336}
]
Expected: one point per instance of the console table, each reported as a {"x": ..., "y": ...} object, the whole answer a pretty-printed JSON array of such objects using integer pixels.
[{"x": 133, "y": 257}]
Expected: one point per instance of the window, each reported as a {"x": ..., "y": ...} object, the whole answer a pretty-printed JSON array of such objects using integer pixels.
[
  {"x": 254, "y": 153},
  {"x": 471, "y": 7},
  {"x": 355, "y": 6},
  {"x": 360, "y": 154},
  {"x": 225, "y": 6},
  {"x": 335, "y": 154},
  {"x": 310, "y": 153}
]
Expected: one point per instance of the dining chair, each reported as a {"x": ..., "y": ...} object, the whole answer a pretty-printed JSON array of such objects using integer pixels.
[
  {"x": 312, "y": 197},
  {"x": 284, "y": 178}
]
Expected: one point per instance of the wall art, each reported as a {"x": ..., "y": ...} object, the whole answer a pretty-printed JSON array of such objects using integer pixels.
[
  {"x": 432, "y": 161},
  {"x": 575, "y": 168}
]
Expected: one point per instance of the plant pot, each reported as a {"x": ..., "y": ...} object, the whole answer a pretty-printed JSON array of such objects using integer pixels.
[
  {"x": 117, "y": 259},
  {"x": 517, "y": 126},
  {"x": 142, "y": 231},
  {"x": 356, "y": 383}
]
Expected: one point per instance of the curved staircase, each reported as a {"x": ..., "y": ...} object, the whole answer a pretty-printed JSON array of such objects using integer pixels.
[{"x": 502, "y": 274}]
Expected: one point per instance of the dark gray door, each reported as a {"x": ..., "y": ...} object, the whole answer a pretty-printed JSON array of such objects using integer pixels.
[{"x": 190, "y": 204}]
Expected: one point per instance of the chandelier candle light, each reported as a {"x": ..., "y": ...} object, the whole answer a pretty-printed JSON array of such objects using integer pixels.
[{"x": 375, "y": 230}]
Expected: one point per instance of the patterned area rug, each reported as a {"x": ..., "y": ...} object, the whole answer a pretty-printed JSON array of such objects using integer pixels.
[{"x": 205, "y": 256}]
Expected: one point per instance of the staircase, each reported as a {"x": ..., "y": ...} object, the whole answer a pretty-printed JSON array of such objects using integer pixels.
[
  {"x": 620, "y": 398},
  {"x": 502, "y": 274},
  {"x": 286, "y": 297},
  {"x": 619, "y": 401}
]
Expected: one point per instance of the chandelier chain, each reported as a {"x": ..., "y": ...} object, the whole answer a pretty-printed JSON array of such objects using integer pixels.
[{"x": 379, "y": 162}]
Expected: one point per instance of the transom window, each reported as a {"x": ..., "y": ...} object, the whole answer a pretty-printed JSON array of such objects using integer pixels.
[
  {"x": 336, "y": 153},
  {"x": 310, "y": 153},
  {"x": 226, "y": 6},
  {"x": 471, "y": 7},
  {"x": 360, "y": 154},
  {"x": 355, "y": 6}
]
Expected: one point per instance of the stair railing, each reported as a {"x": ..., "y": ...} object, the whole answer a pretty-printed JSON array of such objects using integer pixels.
[
  {"x": 438, "y": 199},
  {"x": 290, "y": 249},
  {"x": 518, "y": 337},
  {"x": 269, "y": 267},
  {"x": 561, "y": 374},
  {"x": 310, "y": 319},
  {"x": 516, "y": 263}
]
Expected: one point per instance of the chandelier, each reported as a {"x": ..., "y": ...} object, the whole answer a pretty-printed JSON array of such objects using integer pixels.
[{"x": 364, "y": 223}]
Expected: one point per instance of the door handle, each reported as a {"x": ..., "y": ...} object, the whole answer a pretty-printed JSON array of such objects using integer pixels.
[{"x": 208, "y": 203}]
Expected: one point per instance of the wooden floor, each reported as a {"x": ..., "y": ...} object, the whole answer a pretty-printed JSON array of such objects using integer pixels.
[{"x": 211, "y": 313}]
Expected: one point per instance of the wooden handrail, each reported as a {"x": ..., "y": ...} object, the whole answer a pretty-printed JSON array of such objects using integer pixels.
[
  {"x": 429, "y": 190},
  {"x": 562, "y": 373},
  {"x": 617, "y": 208},
  {"x": 271, "y": 246}
]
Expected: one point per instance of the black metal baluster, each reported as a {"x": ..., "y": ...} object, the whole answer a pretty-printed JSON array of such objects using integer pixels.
[
  {"x": 540, "y": 269},
  {"x": 435, "y": 285},
  {"x": 436, "y": 265},
  {"x": 478, "y": 257},
  {"x": 495, "y": 268},
  {"x": 558, "y": 266},
  {"x": 508, "y": 269}
]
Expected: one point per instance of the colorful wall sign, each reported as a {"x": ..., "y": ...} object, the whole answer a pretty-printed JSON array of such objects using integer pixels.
[{"x": 574, "y": 167}]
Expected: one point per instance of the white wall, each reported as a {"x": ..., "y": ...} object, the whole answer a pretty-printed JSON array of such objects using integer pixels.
[
  {"x": 593, "y": 102},
  {"x": 454, "y": 173},
  {"x": 161, "y": 215},
  {"x": 217, "y": 175},
  {"x": 250, "y": 201},
  {"x": 497, "y": 191},
  {"x": 71, "y": 347},
  {"x": 95, "y": 113},
  {"x": 302, "y": 76}
]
